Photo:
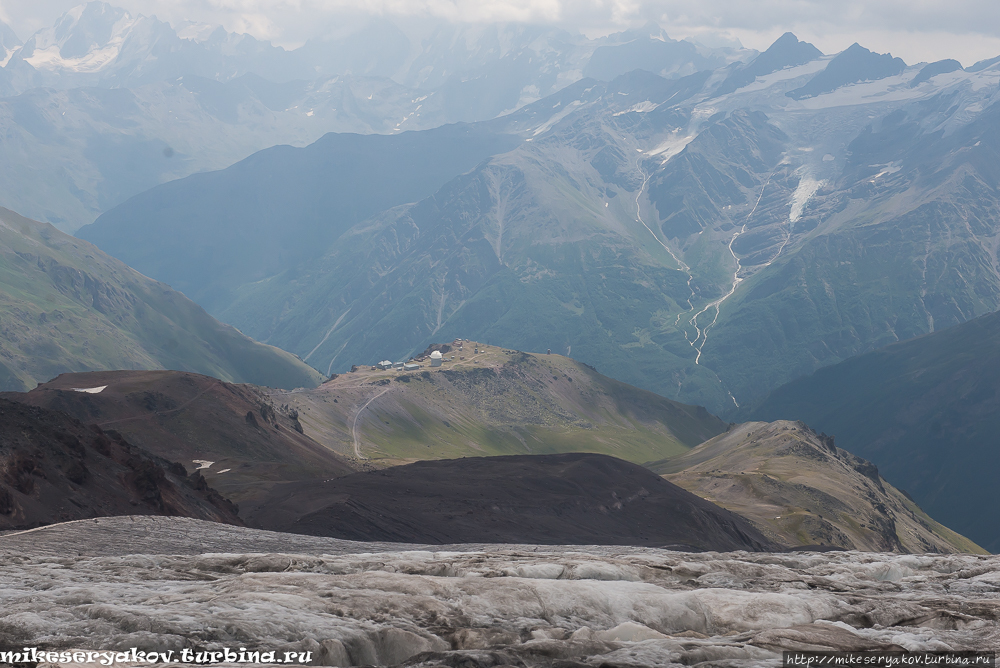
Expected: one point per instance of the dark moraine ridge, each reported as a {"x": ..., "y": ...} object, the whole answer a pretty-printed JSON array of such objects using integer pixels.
[
  {"x": 582, "y": 499},
  {"x": 54, "y": 468},
  {"x": 187, "y": 417}
]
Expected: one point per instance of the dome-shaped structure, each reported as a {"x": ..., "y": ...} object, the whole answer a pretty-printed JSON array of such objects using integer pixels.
[{"x": 436, "y": 355}]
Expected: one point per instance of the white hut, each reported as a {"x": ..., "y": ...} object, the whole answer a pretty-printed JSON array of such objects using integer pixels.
[{"x": 436, "y": 358}]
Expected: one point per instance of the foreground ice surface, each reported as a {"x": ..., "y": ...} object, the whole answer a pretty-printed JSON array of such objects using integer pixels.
[{"x": 168, "y": 583}]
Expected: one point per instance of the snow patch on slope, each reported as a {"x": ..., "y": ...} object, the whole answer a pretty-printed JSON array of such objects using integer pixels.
[
  {"x": 640, "y": 108},
  {"x": 806, "y": 189},
  {"x": 547, "y": 125},
  {"x": 90, "y": 390},
  {"x": 672, "y": 145}
]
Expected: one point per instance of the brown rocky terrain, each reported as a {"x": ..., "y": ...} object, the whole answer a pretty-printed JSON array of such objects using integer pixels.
[
  {"x": 54, "y": 468},
  {"x": 276, "y": 454},
  {"x": 800, "y": 489},
  {"x": 234, "y": 434}
]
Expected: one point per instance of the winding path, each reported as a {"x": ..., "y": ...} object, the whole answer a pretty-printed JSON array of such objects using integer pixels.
[{"x": 354, "y": 425}]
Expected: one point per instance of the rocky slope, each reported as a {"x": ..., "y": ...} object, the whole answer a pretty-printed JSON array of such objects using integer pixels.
[
  {"x": 233, "y": 435},
  {"x": 925, "y": 411},
  {"x": 494, "y": 402},
  {"x": 54, "y": 468},
  {"x": 570, "y": 498},
  {"x": 800, "y": 489},
  {"x": 66, "y": 306},
  {"x": 479, "y": 605}
]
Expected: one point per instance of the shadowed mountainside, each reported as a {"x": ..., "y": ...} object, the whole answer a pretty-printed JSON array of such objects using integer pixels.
[
  {"x": 546, "y": 499},
  {"x": 53, "y": 468},
  {"x": 241, "y": 439}
]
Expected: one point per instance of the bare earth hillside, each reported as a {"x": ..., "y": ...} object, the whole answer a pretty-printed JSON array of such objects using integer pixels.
[{"x": 800, "y": 489}]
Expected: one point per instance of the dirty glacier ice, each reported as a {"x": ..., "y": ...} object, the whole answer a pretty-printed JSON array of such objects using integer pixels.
[{"x": 169, "y": 583}]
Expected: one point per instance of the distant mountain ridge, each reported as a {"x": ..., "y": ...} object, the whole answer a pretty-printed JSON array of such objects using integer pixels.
[
  {"x": 123, "y": 103},
  {"x": 97, "y": 44},
  {"x": 787, "y": 51},
  {"x": 318, "y": 192},
  {"x": 66, "y": 306},
  {"x": 853, "y": 65}
]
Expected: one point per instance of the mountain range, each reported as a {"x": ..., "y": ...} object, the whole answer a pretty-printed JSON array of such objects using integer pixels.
[
  {"x": 708, "y": 246},
  {"x": 698, "y": 227},
  {"x": 104, "y": 105}
]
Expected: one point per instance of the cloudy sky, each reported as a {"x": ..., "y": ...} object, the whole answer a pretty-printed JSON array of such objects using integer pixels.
[{"x": 916, "y": 30}]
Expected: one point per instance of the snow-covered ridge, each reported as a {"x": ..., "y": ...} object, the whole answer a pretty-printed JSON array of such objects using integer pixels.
[{"x": 86, "y": 39}]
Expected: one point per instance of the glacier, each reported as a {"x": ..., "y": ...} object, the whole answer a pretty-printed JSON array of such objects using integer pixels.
[{"x": 168, "y": 583}]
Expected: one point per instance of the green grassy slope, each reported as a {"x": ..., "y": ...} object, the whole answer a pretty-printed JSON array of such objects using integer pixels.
[
  {"x": 496, "y": 402},
  {"x": 66, "y": 306},
  {"x": 925, "y": 411}
]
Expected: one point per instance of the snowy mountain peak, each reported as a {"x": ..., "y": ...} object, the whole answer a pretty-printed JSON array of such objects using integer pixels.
[
  {"x": 85, "y": 39},
  {"x": 196, "y": 32}
]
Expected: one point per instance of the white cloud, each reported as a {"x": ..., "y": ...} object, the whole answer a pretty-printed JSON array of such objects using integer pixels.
[{"x": 915, "y": 30}]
